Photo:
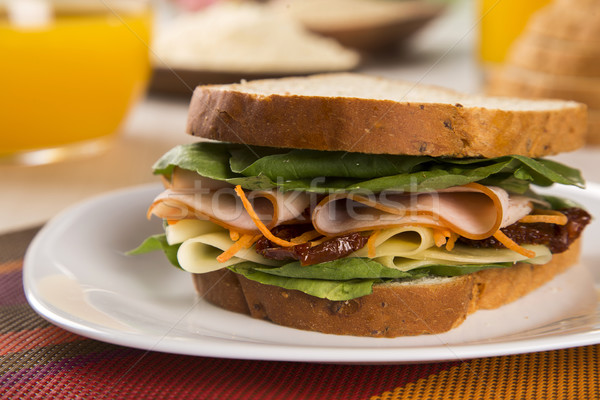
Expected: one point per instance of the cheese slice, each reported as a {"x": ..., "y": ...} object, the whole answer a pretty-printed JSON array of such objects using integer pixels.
[
  {"x": 463, "y": 255},
  {"x": 400, "y": 242},
  {"x": 199, "y": 254},
  {"x": 189, "y": 228}
]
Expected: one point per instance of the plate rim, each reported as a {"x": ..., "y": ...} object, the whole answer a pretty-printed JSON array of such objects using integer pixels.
[{"x": 237, "y": 349}]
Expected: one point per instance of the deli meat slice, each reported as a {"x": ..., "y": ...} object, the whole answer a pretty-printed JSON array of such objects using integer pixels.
[
  {"x": 203, "y": 198},
  {"x": 473, "y": 211}
]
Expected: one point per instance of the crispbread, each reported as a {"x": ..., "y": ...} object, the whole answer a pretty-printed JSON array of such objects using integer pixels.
[
  {"x": 426, "y": 306},
  {"x": 359, "y": 113}
]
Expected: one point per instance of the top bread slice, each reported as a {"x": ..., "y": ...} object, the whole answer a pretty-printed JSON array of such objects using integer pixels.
[{"x": 360, "y": 113}]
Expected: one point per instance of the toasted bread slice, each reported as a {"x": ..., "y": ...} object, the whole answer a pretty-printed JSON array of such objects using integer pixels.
[{"x": 359, "y": 113}]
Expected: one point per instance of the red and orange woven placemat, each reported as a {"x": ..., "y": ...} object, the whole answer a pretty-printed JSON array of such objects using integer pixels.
[{"x": 40, "y": 360}]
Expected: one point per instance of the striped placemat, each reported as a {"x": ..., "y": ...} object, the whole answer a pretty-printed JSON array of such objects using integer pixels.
[{"x": 40, "y": 360}]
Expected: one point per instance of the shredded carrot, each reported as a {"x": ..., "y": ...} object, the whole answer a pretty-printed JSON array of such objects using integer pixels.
[
  {"x": 243, "y": 243},
  {"x": 440, "y": 235},
  {"x": 234, "y": 235},
  {"x": 259, "y": 224},
  {"x": 305, "y": 237},
  {"x": 172, "y": 221},
  {"x": 549, "y": 217},
  {"x": 510, "y": 244},
  {"x": 371, "y": 244},
  {"x": 452, "y": 240}
]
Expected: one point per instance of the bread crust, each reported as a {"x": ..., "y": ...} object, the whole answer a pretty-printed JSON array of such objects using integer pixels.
[
  {"x": 381, "y": 126},
  {"x": 399, "y": 309},
  {"x": 222, "y": 287}
]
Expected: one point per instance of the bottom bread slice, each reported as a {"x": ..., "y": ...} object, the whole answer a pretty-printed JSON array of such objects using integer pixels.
[{"x": 425, "y": 306}]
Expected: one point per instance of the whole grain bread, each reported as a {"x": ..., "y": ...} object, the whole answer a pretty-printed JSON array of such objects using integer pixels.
[
  {"x": 575, "y": 20},
  {"x": 551, "y": 55},
  {"x": 426, "y": 306},
  {"x": 593, "y": 135},
  {"x": 515, "y": 81},
  {"x": 360, "y": 113}
]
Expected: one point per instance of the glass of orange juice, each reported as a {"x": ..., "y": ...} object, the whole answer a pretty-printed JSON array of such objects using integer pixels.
[
  {"x": 502, "y": 21},
  {"x": 70, "y": 70}
]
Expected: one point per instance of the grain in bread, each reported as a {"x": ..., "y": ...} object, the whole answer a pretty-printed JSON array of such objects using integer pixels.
[
  {"x": 426, "y": 306},
  {"x": 359, "y": 113}
]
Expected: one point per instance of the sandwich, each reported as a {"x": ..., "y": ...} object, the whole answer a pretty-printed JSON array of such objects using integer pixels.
[{"x": 355, "y": 205}]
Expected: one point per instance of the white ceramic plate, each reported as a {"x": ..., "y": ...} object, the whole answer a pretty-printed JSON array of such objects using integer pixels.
[{"x": 77, "y": 276}]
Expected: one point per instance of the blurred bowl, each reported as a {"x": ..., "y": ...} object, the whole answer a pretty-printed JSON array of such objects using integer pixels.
[
  {"x": 230, "y": 41},
  {"x": 366, "y": 25},
  {"x": 180, "y": 81}
]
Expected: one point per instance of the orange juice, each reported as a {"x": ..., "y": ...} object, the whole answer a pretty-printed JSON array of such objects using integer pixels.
[
  {"x": 502, "y": 21},
  {"x": 71, "y": 81}
]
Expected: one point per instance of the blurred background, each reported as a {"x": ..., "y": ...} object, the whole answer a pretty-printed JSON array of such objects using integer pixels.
[{"x": 93, "y": 92}]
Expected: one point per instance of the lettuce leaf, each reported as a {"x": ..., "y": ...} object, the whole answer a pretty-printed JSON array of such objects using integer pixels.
[
  {"x": 337, "y": 270},
  {"x": 207, "y": 159},
  {"x": 325, "y": 289},
  {"x": 457, "y": 270},
  {"x": 557, "y": 203},
  {"x": 302, "y": 164},
  {"x": 346, "y": 278},
  {"x": 158, "y": 242},
  {"x": 351, "y": 268},
  {"x": 255, "y": 167}
]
